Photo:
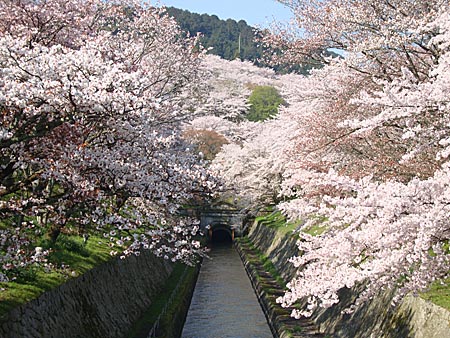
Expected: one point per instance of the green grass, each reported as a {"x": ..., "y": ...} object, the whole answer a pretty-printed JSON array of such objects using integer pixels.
[
  {"x": 68, "y": 250},
  {"x": 297, "y": 329},
  {"x": 80, "y": 257},
  {"x": 270, "y": 268},
  {"x": 273, "y": 220},
  {"x": 264, "y": 260},
  {"x": 278, "y": 221},
  {"x": 439, "y": 294}
]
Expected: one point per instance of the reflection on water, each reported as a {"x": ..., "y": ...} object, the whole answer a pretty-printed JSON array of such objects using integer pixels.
[{"x": 224, "y": 304}]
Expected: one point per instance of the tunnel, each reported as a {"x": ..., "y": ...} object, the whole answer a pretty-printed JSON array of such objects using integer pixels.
[{"x": 221, "y": 235}]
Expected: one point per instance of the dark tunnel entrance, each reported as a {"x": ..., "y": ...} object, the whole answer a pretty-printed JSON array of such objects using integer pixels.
[{"x": 221, "y": 236}]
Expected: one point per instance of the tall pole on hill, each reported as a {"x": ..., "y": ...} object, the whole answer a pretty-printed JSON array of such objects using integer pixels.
[
  {"x": 237, "y": 54},
  {"x": 239, "y": 47}
]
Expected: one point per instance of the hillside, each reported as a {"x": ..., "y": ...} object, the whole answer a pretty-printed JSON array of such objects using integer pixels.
[
  {"x": 231, "y": 39},
  {"x": 222, "y": 35}
]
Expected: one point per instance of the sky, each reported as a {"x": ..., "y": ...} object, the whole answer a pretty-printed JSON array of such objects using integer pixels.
[{"x": 254, "y": 12}]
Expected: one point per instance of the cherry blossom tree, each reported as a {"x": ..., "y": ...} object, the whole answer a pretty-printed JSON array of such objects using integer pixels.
[
  {"x": 370, "y": 156},
  {"x": 228, "y": 129},
  {"x": 362, "y": 148},
  {"x": 249, "y": 163},
  {"x": 92, "y": 97},
  {"x": 390, "y": 234},
  {"x": 387, "y": 33},
  {"x": 255, "y": 166},
  {"x": 229, "y": 85}
]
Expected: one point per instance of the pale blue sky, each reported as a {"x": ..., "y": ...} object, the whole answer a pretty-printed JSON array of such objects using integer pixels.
[{"x": 255, "y": 12}]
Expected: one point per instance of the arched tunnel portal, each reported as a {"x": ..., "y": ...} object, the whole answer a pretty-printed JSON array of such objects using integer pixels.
[
  {"x": 221, "y": 233},
  {"x": 221, "y": 224}
]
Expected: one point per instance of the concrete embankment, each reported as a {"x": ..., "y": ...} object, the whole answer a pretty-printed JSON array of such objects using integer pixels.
[
  {"x": 166, "y": 317},
  {"x": 415, "y": 317},
  {"x": 107, "y": 301},
  {"x": 268, "y": 288}
]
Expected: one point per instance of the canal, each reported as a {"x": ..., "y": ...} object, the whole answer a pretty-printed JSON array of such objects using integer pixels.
[{"x": 224, "y": 304}]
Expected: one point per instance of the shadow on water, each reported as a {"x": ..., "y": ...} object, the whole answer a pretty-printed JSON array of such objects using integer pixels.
[{"x": 224, "y": 304}]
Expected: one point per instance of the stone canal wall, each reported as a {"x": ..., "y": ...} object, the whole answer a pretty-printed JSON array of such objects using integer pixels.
[
  {"x": 104, "y": 302},
  {"x": 415, "y": 317},
  {"x": 267, "y": 289}
]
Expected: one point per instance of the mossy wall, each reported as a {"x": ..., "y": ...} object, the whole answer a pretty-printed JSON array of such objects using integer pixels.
[
  {"x": 173, "y": 321},
  {"x": 104, "y": 302}
]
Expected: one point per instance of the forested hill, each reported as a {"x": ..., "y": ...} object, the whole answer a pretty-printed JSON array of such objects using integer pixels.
[
  {"x": 222, "y": 35},
  {"x": 231, "y": 39}
]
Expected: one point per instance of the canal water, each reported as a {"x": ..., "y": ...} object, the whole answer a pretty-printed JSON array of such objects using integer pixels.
[{"x": 224, "y": 304}]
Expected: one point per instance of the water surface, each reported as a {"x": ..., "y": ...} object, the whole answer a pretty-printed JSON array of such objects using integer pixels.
[{"x": 224, "y": 304}]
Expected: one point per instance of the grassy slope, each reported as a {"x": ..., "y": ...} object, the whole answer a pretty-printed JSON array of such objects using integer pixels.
[
  {"x": 70, "y": 251},
  {"x": 439, "y": 294}
]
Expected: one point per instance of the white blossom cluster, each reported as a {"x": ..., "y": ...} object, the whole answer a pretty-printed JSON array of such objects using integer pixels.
[{"x": 92, "y": 97}]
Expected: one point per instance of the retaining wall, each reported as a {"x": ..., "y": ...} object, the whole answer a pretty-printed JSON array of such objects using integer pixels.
[{"x": 104, "y": 302}]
